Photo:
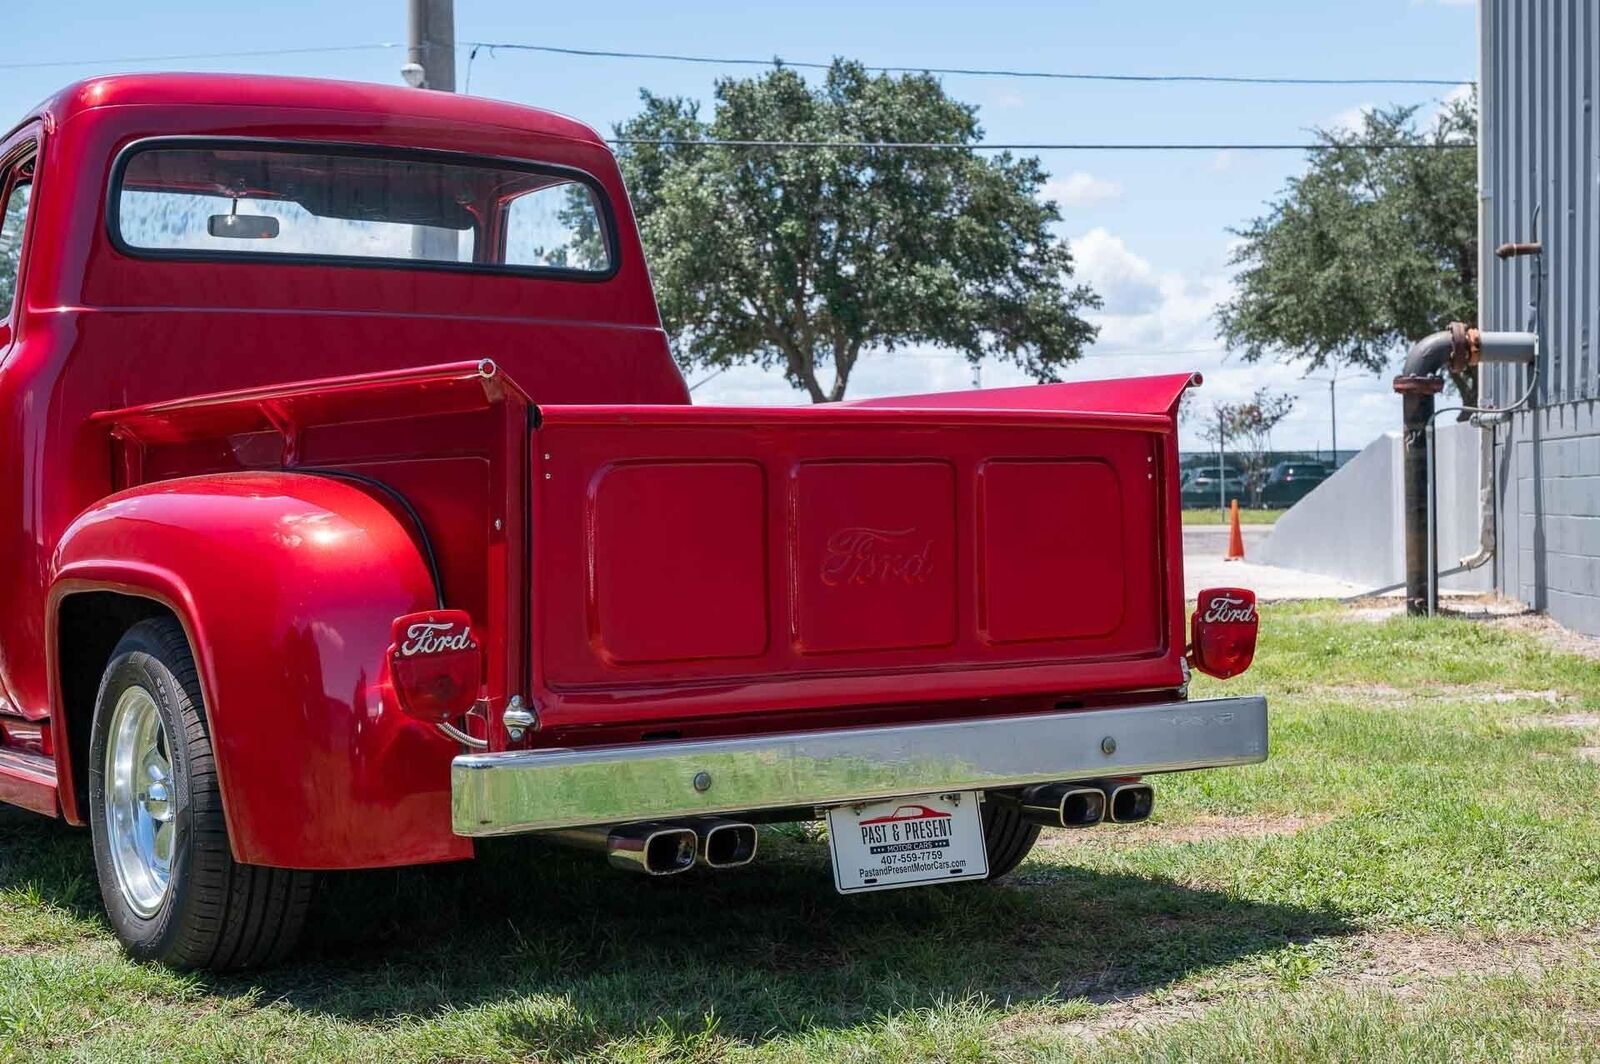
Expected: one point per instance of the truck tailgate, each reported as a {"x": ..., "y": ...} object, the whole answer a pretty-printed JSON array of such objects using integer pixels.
[{"x": 691, "y": 562}]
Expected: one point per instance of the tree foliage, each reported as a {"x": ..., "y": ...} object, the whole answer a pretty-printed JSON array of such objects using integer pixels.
[
  {"x": 807, "y": 259},
  {"x": 1367, "y": 250}
]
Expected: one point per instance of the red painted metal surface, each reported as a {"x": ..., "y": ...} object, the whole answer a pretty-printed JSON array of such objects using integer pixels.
[
  {"x": 837, "y": 558},
  {"x": 28, "y": 781},
  {"x": 96, "y": 330},
  {"x": 287, "y": 586},
  {"x": 270, "y": 450}
]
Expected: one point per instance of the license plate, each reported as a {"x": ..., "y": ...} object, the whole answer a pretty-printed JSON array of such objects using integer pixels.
[{"x": 933, "y": 838}]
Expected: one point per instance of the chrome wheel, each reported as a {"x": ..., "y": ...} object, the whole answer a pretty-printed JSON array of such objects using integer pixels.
[{"x": 139, "y": 801}]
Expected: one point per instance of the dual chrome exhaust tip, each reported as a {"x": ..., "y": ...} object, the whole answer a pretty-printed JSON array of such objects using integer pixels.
[
  {"x": 1083, "y": 805},
  {"x": 664, "y": 849}
]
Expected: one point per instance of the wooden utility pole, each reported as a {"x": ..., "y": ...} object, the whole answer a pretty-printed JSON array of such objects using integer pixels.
[
  {"x": 433, "y": 44},
  {"x": 431, "y": 64}
]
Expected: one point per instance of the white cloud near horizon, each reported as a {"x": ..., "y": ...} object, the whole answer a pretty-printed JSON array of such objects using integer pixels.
[
  {"x": 1350, "y": 120},
  {"x": 1080, "y": 189}
]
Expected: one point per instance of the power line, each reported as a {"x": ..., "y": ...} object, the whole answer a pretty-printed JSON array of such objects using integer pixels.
[
  {"x": 1054, "y": 75},
  {"x": 915, "y": 145},
  {"x": 177, "y": 57},
  {"x": 493, "y": 46},
  {"x": 1091, "y": 353}
]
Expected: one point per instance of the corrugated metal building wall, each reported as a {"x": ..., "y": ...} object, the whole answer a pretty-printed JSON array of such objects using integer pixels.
[{"x": 1539, "y": 173}]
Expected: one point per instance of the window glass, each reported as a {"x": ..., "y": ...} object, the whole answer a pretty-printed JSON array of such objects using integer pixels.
[
  {"x": 557, "y": 226},
  {"x": 254, "y": 201},
  {"x": 11, "y": 226}
]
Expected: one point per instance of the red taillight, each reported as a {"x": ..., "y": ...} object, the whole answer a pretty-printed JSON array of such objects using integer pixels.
[
  {"x": 435, "y": 664},
  {"x": 1223, "y": 631}
]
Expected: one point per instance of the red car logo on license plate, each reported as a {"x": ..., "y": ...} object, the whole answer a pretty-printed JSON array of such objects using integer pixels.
[{"x": 907, "y": 812}]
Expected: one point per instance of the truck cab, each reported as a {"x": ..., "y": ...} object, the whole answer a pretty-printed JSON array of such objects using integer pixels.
[{"x": 353, "y": 508}]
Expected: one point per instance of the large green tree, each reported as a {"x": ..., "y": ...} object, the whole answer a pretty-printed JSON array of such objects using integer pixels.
[
  {"x": 1366, "y": 251},
  {"x": 807, "y": 259}
]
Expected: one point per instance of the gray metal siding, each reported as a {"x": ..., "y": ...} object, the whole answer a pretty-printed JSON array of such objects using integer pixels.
[{"x": 1540, "y": 176}]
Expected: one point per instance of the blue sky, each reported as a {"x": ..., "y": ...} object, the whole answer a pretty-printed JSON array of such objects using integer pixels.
[{"x": 1150, "y": 230}]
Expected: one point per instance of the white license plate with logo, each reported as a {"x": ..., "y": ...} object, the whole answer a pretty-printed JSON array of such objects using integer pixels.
[{"x": 933, "y": 838}]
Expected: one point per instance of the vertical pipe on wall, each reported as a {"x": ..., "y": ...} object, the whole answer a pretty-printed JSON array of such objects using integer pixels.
[{"x": 1417, "y": 411}]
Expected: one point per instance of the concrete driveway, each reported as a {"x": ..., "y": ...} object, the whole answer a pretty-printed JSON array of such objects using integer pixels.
[{"x": 1205, "y": 547}]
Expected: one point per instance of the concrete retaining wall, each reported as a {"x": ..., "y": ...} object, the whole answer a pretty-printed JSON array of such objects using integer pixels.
[{"x": 1351, "y": 526}]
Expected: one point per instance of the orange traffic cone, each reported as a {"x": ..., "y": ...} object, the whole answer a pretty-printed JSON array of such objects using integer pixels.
[{"x": 1235, "y": 537}]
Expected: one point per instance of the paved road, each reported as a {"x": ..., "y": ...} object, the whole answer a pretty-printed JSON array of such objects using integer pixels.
[{"x": 1205, "y": 547}]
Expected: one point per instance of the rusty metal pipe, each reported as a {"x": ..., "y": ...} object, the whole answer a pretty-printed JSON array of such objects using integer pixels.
[
  {"x": 1517, "y": 250},
  {"x": 1418, "y": 383},
  {"x": 1458, "y": 349}
]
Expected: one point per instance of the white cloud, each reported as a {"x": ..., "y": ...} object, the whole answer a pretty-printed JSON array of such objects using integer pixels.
[
  {"x": 1350, "y": 120},
  {"x": 1126, "y": 282},
  {"x": 1081, "y": 189},
  {"x": 1429, "y": 115}
]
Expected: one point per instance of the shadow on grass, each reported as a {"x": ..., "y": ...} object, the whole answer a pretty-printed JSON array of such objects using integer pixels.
[{"x": 561, "y": 954}]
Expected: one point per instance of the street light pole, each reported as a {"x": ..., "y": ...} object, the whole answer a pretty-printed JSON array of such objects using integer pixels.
[
  {"x": 1222, "y": 476},
  {"x": 1333, "y": 413}
]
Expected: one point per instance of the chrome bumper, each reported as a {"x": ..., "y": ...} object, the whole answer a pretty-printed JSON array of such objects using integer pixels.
[{"x": 539, "y": 790}]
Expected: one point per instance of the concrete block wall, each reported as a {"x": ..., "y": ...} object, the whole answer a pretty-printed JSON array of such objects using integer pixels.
[
  {"x": 1351, "y": 526},
  {"x": 1549, "y": 465}
]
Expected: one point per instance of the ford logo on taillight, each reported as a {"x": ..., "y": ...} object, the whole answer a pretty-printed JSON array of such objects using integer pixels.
[
  {"x": 1223, "y": 631},
  {"x": 435, "y": 664}
]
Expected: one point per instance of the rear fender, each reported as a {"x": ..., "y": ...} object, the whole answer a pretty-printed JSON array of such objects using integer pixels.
[{"x": 286, "y": 585}]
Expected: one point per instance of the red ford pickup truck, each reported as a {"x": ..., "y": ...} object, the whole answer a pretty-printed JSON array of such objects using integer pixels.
[{"x": 352, "y": 508}]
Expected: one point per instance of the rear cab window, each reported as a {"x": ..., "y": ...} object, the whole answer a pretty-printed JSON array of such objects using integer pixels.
[
  {"x": 359, "y": 206},
  {"x": 16, "y": 188}
]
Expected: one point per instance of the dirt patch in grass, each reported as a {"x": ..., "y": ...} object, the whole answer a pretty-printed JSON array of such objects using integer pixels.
[
  {"x": 1548, "y": 632},
  {"x": 1377, "y": 692},
  {"x": 1361, "y": 692},
  {"x": 1501, "y": 697},
  {"x": 1197, "y": 829},
  {"x": 1402, "y": 963},
  {"x": 1575, "y": 721}
]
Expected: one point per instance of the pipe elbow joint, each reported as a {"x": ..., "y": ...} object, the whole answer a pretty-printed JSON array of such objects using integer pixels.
[{"x": 1453, "y": 348}]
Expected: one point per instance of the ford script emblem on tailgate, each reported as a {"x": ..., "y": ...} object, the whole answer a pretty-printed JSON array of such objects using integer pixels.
[{"x": 862, "y": 556}]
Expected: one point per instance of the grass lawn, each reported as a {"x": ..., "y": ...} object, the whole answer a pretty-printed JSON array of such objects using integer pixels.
[
  {"x": 1415, "y": 874},
  {"x": 1247, "y": 516}
]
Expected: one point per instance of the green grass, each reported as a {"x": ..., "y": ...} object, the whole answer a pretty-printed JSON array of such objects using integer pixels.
[
  {"x": 1433, "y": 813},
  {"x": 1214, "y": 516}
]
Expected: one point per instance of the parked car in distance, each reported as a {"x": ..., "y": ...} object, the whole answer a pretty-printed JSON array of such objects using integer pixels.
[
  {"x": 1200, "y": 486},
  {"x": 1289, "y": 482}
]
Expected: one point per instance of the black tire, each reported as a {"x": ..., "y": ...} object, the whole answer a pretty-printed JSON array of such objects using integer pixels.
[
  {"x": 1006, "y": 835},
  {"x": 216, "y": 914}
]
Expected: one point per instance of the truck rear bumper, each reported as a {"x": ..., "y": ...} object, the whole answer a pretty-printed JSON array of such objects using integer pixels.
[{"x": 540, "y": 790}]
